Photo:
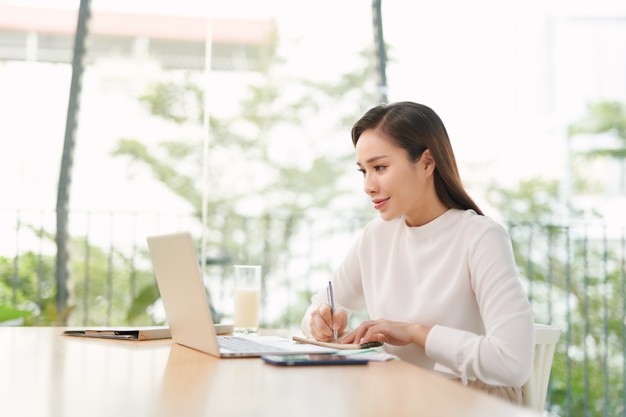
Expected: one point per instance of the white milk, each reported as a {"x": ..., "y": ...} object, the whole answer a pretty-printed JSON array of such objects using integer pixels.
[{"x": 247, "y": 305}]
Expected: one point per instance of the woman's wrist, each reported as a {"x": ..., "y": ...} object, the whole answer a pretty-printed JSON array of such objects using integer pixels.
[{"x": 419, "y": 333}]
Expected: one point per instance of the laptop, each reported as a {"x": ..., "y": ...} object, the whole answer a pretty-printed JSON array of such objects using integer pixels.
[{"x": 187, "y": 306}]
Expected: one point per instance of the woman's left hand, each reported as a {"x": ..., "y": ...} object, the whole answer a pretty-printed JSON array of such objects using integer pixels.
[{"x": 386, "y": 331}]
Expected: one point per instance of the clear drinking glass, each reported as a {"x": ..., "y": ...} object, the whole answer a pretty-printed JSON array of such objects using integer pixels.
[{"x": 247, "y": 298}]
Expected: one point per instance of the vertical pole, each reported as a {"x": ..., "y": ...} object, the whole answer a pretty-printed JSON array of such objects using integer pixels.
[
  {"x": 206, "y": 140},
  {"x": 623, "y": 321},
  {"x": 529, "y": 262},
  {"x": 586, "y": 330},
  {"x": 16, "y": 262},
  {"x": 568, "y": 319},
  {"x": 605, "y": 321},
  {"x": 550, "y": 277},
  {"x": 381, "y": 54},
  {"x": 206, "y": 147},
  {"x": 550, "y": 272},
  {"x": 109, "y": 287},
  {"x": 65, "y": 176},
  {"x": 87, "y": 278}
]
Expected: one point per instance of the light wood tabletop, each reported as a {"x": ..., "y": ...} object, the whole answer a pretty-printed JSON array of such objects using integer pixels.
[{"x": 46, "y": 374}]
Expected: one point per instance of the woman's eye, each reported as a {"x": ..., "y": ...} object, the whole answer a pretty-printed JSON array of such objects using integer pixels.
[
  {"x": 361, "y": 170},
  {"x": 379, "y": 168}
]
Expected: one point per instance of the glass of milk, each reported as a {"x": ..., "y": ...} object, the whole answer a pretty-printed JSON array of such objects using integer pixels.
[{"x": 247, "y": 298}]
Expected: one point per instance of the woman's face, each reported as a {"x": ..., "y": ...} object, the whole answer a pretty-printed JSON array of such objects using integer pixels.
[{"x": 396, "y": 185}]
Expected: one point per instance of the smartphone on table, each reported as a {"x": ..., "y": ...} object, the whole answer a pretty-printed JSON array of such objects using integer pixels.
[{"x": 309, "y": 360}]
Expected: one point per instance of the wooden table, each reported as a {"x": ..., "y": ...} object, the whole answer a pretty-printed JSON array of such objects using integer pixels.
[{"x": 45, "y": 374}]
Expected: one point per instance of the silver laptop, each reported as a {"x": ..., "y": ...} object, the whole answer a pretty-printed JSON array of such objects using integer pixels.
[{"x": 187, "y": 307}]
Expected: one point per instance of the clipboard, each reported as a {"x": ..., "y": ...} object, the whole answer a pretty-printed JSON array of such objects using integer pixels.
[
  {"x": 339, "y": 346},
  {"x": 134, "y": 333},
  {"x": 122, "y": 333}
]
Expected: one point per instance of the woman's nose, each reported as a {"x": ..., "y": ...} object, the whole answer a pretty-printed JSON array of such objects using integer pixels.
[{"x": 369, "y": 184}]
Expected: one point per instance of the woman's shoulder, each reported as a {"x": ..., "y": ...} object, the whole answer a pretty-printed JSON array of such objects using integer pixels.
[{"x": 477, "y": 224}]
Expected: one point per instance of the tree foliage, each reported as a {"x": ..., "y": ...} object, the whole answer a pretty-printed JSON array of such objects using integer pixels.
[
  {"x": 608, "y": 117},
  {"x": 101, "y": 287},
  {"x": 602, "y": 117},
  {"x": 271, "y": 163},
  {"x": 532, "y": 200}
]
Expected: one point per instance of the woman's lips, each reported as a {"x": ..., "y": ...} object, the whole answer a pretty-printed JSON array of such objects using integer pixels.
[{"x": 380, "y": 202}]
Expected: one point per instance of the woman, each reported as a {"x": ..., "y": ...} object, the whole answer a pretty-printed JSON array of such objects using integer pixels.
[{"x": 439, "y": 277}]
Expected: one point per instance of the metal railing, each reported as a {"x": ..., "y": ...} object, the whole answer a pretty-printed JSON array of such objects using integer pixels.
[
  {"x": 575, "y": 277},
  {"x": 111, "y": 273}
]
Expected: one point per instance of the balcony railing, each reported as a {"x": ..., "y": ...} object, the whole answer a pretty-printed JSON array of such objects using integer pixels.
[
  {"x": 111, "y": 272},
  {"x": 575, "y": 277}
]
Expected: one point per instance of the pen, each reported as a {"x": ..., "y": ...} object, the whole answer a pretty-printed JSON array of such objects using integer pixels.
[{"x": 331, "y": 301}]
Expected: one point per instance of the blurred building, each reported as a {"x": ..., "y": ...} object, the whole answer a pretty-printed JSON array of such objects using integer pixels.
[{"x": 46, "y": 34}]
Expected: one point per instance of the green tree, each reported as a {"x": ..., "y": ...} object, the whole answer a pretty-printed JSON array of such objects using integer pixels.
[
  {"x": 532, "y": 200},
  {"x": 604, "y": 117},
  {"x": 23, "y": 297},
  {"x": 101, "y": 286}
]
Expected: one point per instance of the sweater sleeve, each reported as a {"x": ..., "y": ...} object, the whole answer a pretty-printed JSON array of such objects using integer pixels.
[{"x": 504, "y": 354}]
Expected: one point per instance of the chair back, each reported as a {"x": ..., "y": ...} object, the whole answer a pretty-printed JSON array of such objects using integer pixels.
[{"x": 536, "y": 388}]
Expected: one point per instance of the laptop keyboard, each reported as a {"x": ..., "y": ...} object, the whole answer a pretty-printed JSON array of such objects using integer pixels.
[{"x": 244, "y": 345}]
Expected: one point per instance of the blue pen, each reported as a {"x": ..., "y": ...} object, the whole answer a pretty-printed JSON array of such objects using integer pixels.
[{"x": 331, "y": 301}]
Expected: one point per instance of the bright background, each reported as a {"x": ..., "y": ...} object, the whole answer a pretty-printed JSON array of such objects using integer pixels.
[{"x": 507, "y": 78}]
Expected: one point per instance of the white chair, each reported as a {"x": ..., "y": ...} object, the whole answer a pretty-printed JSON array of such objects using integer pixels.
[{"x": 536, "y": 388}]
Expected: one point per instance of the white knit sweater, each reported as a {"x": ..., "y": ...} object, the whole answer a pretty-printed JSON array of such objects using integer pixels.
[{"x": 457, "y": 274}]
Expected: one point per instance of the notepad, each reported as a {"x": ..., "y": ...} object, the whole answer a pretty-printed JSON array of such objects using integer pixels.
[{"x": 341, "y": 346}]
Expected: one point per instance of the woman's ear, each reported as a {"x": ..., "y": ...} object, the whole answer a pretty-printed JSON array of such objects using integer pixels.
[{"x": 428, "y": 162}]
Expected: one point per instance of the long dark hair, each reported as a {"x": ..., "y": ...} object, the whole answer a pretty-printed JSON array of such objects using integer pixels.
[{"x": 415, "y": 128}]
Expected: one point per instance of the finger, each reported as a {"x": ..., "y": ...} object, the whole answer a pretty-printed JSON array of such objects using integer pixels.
[
  {"x": 326, "y": 315},
  {"x": 320, "y": 333},
  {"x": 374, "y": 331},
  {"x": 348, "y": 338},
  {"x": 374, "y": 336},
  {"x": 361, "y": 331},
  {"x": 377, "y": 333},
  {"x": 320, "y": 325},
  {"x": 319, "y": 329},
  {"x": 340, "y": 320}
]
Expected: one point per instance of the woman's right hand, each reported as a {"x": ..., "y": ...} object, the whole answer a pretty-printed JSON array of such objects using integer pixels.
[{"x": 323, "y": 323}]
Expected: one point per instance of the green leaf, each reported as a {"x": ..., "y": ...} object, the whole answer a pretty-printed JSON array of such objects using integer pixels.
[
  {"x": 8, "y": 314},
  {"x": 144, "y": 299}
]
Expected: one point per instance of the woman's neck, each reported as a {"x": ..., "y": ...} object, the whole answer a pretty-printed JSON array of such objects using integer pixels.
[{"x": 426, "y": 215}]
